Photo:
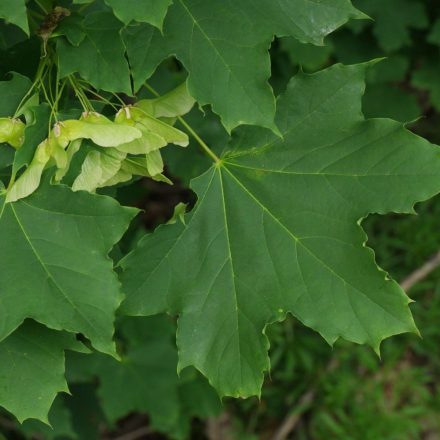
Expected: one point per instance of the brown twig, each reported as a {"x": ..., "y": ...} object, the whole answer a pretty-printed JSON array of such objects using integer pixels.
[
  {"x": 290, "y": 422},
  {"x": 219, "y": 428},
  {"x": 421, "y": 273},
  {"x": 136, "y": 434},
  {"x": 292, "y": 419}
]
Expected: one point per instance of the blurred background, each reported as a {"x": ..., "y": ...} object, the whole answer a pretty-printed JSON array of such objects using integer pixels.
[{"x": 314, "y": 392}]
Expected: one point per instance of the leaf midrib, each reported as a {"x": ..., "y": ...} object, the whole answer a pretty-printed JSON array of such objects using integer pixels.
[
  {"x": 299, "y": 241},
  {"x": 210, "y": 42},
  {"x": 49, "y": 274}
]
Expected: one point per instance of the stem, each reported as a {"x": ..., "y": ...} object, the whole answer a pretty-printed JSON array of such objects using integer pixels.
[
  {"x": 38, "y": 76},
  {"x": 190, "y": 130},
  {"x": 119, "y": 99},
  {"x": 108, "y": 102},
  {"x": 80, "y": 94},
  {"x": 42, "y": 7},
  {"x": 199, "y": 140},
  {"x": 51, "y": 104},
  {"x": 59, "y": 93}
]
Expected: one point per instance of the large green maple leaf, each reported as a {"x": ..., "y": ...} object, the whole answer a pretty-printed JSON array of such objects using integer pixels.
[
  {"x": 99, "y": 57},
  {"x": 14, "y": 11},
  {"x": 229, "y": 41},
  {"x": 276, "y": 229},
  {"x": 54, "y": 265},
  {"x": 32, "y": 369},
  {"x": 146, "y": 380}
]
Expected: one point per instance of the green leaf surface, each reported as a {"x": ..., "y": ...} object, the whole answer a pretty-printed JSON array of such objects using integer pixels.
[
  {"x": 32, "y": 370},
  {"x": 229, "y": 41},
  {"x": 427, "y": 78},
  {"x": 147, "y": 11},
  {"x": 72, "y": 28},
  {"x": 276, "y": 230},
  {"x": 388, "y": 101},
  {"x": 14, "y": 12},
  {"x": 99, "y": 58},
  {"x": 145, "y": 49},
  {"x": 55, "y": 245},
  {"x": 60, "y": 423},
  {"x": 10, "y": 35},
  {"x": 146, "y": 381},
  {"x": 6, "y": 156},
  {"x": 306, "y": 55},
  {"x": 12, "y": 92},
  {"x": 390, "y": 69},
  {"x": 393, "y": 20}
]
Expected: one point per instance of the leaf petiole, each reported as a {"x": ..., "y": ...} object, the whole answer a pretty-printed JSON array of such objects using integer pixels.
[{"x": 190, "y": 130}]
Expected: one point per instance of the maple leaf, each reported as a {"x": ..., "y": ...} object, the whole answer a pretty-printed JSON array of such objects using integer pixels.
[
  {"x": 276, "y": 230},
  {"x": 229, "y": 41},
  {"x": 32, "y": 369},
  {"x": 54, "y": 263}
]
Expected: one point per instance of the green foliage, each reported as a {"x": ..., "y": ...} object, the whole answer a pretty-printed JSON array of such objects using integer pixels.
[
  {"x": 329, "y": 152},
  {"x": 61, "y": 240},
  {"x": 149, "y": 11},
  {"x": 216, "y": 46},
  {"x": 14, "y": 12},
  {"x": 394, "y": 19},
  {"x": 99, "y": 57},
  {"x": 25, "y": 391},
  {"x": 145, "y": 374},
  {"x": 97, "y": 96}
]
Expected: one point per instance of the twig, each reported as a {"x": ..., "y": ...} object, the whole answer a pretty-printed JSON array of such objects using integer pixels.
[
  {"x": 421, "y": 273},
  {"x": 136, "y": 434},
  {"x": 219, "y": 428},
  {"x": 292, "y": 419}
]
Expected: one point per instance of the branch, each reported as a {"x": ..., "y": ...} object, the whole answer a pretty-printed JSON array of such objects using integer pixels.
[
  {"x": 292, "y": 419},
  {"x": 421, "y": 273},
  {"x": 136, "y": 434},
  {"x": 290, "y": 422}
]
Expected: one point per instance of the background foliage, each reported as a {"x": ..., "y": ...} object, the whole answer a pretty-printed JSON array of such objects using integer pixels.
[{"x": 344, "y": 393}]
